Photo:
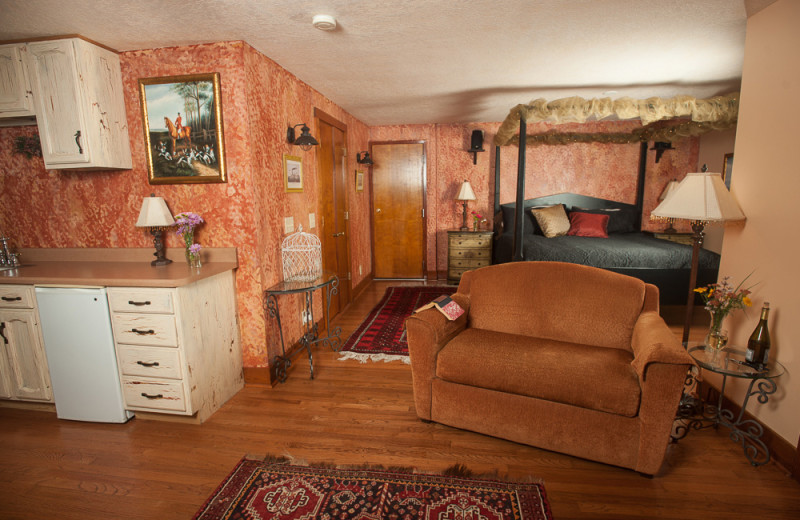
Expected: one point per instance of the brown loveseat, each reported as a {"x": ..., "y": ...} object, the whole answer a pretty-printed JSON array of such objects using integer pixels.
[{"x": 560, "y": 356}]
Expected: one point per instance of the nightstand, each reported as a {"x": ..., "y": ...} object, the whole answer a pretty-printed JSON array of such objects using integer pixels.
[
  {"x": 467, "y": 250},
  {"x": 681, "y": 238}
]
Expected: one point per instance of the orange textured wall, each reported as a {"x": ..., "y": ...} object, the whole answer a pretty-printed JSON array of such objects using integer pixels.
[
  {"x": 608, "y": 171},
  {"x": 44, "y": 208}
]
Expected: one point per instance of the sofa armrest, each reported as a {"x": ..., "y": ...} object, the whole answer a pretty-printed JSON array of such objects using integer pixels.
[
  {"x": 427, "y": 332},
  {"x": 653, "y": 342}
]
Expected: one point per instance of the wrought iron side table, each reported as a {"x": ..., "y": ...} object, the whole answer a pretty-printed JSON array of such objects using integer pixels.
[
  {"x": 694, "y": 414},
  {"x": 328, "y": 281}
]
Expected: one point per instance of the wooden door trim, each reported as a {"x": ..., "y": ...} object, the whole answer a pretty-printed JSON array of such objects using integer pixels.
[
  {"x": 424, "y": 144},
  {"x": 324, "y": 116}
]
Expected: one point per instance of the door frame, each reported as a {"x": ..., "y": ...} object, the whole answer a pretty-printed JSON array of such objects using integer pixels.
[
  {"x": 424, "y": 144},
  {"x": 321, "y": 115}
]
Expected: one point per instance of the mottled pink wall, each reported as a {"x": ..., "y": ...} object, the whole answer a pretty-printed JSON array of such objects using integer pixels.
[
  {"x": 44, "y": 208},
  {"x": 608, "y": 171}
]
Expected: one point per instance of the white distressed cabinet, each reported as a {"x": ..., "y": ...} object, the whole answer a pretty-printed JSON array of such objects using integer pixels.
[
  {"x": 79, "y": 104},
  {"x": 178, "y": 349},
  {"x": 23, "y": 365},
  {"x": 16, "y": 98}
]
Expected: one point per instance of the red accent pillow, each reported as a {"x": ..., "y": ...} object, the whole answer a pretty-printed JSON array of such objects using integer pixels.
[{"x": 588, "y": 225}]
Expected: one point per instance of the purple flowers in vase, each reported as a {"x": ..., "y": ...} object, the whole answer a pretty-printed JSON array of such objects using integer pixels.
[{"x": 186, "y": 223}]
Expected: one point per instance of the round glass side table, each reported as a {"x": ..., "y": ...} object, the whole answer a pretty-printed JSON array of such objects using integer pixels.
[{"x": 694, "y": 414}]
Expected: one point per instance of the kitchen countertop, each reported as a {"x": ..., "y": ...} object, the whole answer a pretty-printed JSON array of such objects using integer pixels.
[{"x": 112, "y": 267}]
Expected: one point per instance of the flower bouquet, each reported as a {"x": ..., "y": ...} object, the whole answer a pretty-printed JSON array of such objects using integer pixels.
[
  {"x": 720, "y": 299},
  {"x": 186, "y": 223}
]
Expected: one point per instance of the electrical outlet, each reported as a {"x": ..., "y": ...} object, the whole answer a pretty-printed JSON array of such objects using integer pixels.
[
  {"x": 359, "y": 270},
  {"x": 312, "y": 221},
  {"x": 288, "y": 224}
]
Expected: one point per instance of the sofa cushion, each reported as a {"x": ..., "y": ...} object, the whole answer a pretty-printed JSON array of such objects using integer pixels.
[{"x": 590, "y": 377}]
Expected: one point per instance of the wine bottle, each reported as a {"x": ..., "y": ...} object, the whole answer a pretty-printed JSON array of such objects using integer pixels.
[{"x": 757, "y": 353}]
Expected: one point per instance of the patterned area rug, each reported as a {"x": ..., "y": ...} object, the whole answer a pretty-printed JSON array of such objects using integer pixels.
[
  {"x": 382, "y": 336},
  {"x": 258, "y": 490}
]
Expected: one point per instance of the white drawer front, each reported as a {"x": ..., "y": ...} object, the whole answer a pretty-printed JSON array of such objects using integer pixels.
[
  {"x": 158, "y": 395},
  {"x": 150, "y": 362},
  {"x": 17, "y": 296},
  {"x": 145, "y": 329},
  {"x": 140, "y": 300}
]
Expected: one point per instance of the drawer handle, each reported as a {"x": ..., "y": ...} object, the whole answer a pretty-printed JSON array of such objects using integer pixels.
[
  {"x": 143, "y": 332},
  {"x": 15, "y": 299},
  {"x": 138, "y": 304},
  {"x": 146, "y": 364},
  {"x": 157, "y": 396}
]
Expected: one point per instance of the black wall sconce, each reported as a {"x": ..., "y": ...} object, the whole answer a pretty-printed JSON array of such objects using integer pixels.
[
  {"x": 476, "y": 145},
  {"x": 364, "y": 160},
  {"x": 660, "y": 147},
  {"x": 305, "y": 141}
]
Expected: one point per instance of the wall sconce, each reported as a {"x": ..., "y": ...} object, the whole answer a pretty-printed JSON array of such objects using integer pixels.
[
  {"x": 476, "y": 145},
  {"x": 364, "y": 160},
  {"x": 660, "y": 147},
  {"x": 155, "y": 216},
  {"x": 305, "y": 141}
]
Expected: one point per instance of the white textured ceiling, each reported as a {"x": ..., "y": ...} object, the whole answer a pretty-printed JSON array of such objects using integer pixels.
[{"x": 436, "y": 61}]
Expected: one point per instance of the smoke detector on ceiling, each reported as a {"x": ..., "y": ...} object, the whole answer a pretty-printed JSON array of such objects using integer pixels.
[{"x": 324, "y": 22}]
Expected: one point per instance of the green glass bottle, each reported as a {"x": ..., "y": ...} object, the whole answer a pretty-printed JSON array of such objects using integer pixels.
[{"x": 757, "y": 353}]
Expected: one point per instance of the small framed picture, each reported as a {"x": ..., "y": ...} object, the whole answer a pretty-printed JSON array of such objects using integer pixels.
[
  {"x": 292, "y": 173},
  {"x": 359, "y": 181},
  {"x": 727, "y": 169}
]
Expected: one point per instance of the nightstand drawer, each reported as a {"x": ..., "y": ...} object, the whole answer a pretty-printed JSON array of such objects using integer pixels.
[
  {"x": 141, "y": 300},
  {"x": 145, "y": 329},
  {"x": 470, "y": 253},
  {"x": 468, "y": 263},
  {"x": 469, "y": 241},
  {"x": 150, "y": 362},
  {"x": 158, "y": 395}
]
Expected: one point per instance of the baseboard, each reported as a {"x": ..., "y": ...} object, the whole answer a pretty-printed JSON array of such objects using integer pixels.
[
  {"x": 360, "y": 288},
  {"x": 781, "y": 451},
  {"x": 257, "y": 376}
]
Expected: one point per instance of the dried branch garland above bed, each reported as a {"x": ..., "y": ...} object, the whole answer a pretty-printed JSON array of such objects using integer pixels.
[{"x": 705, "y": 115}]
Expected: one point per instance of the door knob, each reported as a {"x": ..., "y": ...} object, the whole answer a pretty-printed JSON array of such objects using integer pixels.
[
  {"x": 378, "y": 210},
  {"x": 339, "y": 234}
]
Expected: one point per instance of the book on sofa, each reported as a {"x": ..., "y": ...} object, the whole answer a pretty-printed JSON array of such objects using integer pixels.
[{"x": 445, "y": 305}]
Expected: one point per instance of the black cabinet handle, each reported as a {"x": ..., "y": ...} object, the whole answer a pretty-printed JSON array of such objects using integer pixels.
[
  {"x": 78, "y": 142},
  {"x": 157, "y": 396},
  {"x": 143, "y": 332},
  {"x": 15, "y": 299},
  {"x": 138, "y": 304},
  {"x": 146, "y": 364}
]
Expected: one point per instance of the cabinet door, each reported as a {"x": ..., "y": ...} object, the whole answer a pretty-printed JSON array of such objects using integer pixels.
[
  {"x": 55, "y": 82},
  {"x": 29, "y": 376},
  {"x": 15, "y": 98}
]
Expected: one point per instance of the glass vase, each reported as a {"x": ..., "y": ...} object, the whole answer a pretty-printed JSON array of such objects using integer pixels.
[{"x": 717, "y": 336}]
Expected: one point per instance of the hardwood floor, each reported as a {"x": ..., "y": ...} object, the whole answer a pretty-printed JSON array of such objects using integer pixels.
[{"x": 351, "y": 414}]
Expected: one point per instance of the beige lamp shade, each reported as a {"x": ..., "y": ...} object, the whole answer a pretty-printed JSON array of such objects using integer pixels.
[
  {"x": 699, "y": 197},
  {"x": 465, "y": 193},
  {"x": 668, "y": 189},
  {"x": 154, "y": 213}
]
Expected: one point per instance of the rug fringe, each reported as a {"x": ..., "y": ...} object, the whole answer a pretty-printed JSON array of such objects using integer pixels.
[{"x": 363, "y": 358}]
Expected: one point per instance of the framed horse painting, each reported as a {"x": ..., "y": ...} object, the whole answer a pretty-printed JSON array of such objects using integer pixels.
[{"x": 182, "y": 119}]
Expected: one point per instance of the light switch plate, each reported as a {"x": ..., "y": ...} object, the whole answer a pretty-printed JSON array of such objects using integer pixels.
[
  {"x": 312, "y": 221},
  {"x": 288, "y": 224}
]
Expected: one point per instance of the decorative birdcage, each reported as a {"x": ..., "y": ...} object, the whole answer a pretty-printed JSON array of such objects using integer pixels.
[{"x": 302, "y": 257}]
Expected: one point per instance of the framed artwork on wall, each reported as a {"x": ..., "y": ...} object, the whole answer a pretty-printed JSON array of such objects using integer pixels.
[
  {"x": 182, "y": 120},
  {"x": 727, "y": 169},
  {"x": 292, "y": 173},
  {"x": 359, "y": 181}
]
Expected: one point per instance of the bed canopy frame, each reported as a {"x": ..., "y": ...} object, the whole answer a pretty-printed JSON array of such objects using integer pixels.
[{"x": 664, "y": 121}]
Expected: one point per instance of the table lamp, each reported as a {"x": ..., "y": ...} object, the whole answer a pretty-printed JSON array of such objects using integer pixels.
[
  {"x": 155, "y": 216},
  {"x": 700, "y": 198},
  {"x": 668, "y": 189},
  {"x": 465, "y": 194}
]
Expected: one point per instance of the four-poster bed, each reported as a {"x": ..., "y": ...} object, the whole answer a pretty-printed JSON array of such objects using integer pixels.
[{"x": 626, "y": 249}]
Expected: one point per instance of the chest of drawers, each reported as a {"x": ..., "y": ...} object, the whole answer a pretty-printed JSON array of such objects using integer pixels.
[{"x": 467, "y": 250}]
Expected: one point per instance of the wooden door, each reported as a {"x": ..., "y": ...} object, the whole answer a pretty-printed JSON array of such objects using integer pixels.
[
  {"x": 333, "y": 229},
  {"x": 398, "y": 224}
]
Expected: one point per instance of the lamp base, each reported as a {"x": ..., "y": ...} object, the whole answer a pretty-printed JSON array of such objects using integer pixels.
[
  {"x": 464, "y": 226},
  {"x": 160, "y": 255}
]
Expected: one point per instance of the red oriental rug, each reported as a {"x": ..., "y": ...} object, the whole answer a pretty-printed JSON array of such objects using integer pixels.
[
  {"x": 382, "y": 335},
  {"x": 257, "y": 490}
]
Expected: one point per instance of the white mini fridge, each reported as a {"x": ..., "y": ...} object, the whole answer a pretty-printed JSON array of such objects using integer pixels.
[{"x": 79, "y": 344}]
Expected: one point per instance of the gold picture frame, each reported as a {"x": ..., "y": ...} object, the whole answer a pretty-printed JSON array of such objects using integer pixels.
[
  {"x": 178, "y": 151},
  {"x": 727, "y": 169},
  {"x": 292, "y": 173},
  {"x": 359, "y": 180}
]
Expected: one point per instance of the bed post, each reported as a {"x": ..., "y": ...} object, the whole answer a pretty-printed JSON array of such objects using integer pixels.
[
  {"x": 640, "y": 184},
  {"x": 518, "y": 208},
  {"x": 496, "y": 180}
]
